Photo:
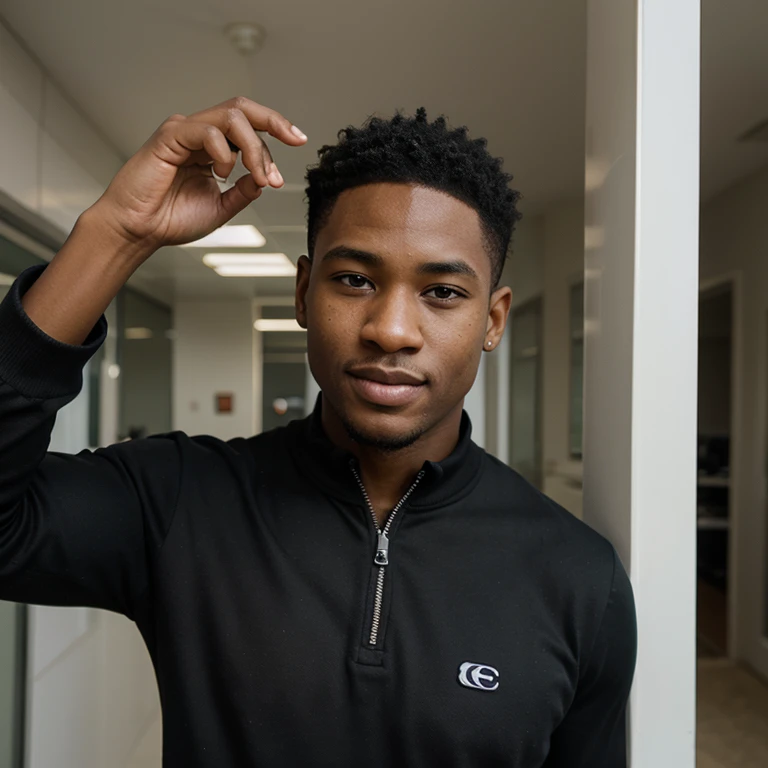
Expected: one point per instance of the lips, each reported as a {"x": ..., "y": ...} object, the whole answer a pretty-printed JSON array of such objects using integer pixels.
[{"x": 381, "y": 386}]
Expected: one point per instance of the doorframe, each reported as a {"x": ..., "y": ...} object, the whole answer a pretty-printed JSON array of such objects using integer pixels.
[
  {"x": 22, "y": 671},
  {"x": 734, "y": 279}
]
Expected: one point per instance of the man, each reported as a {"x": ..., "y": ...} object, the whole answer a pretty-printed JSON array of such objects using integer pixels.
[{"x": 362, "y": 587}]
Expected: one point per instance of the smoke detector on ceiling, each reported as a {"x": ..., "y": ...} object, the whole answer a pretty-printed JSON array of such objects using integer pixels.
[{"x": 247, "y": 38}]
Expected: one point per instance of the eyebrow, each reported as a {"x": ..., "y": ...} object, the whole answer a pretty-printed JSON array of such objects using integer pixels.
[{"x": 454, "y": 267}]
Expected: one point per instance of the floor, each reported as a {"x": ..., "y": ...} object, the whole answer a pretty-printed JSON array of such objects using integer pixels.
[
  {"x": 732, "y": 717},
  {"x": 732, "y": 704},
  {"x": 712, "y": 620}
]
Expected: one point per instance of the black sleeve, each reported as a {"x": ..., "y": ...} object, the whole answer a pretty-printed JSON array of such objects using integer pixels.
[
  {"x": 593, "y": 732},
  {"x": 74, "y": 530}
]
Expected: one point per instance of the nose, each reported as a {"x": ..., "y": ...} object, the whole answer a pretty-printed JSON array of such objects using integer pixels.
[{"x": 393, "y": 323}]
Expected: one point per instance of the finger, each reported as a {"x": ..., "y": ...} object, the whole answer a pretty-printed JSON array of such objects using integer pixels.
[
  {"x": 273, "y": 174},
  {"x": 178, "y": 141},
  {"x": 241, "y": 132},
  {"x": 260, "y": 117},
  {"x": 201, "y": 157},
  {"x": 239, "y": 197}
]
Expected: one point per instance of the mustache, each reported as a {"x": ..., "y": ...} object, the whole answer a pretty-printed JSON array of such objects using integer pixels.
[{"x": 389, "y": 363}]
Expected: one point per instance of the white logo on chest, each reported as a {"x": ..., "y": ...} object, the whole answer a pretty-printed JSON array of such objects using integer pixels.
[{"x": 479, "y": 676}]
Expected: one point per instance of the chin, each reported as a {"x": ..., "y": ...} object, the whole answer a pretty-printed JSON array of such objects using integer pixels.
[
  {"x": 371, "y": 426},
  {"x": 388, "y": 441}
]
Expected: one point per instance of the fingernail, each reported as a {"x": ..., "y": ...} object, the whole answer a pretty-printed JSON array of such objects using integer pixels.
[
  {"x": 296, "y": 132},
  {"x": 275, "y": 175}
]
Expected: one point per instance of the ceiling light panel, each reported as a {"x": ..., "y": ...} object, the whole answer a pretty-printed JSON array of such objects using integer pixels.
[
  {"x": 239, "y": 259},
  {"x": 250, "y": 264},
  {"x": 276, "y": 324},
  {"x": 255, "y": 270},
  {"x": 231, "y": 236}
]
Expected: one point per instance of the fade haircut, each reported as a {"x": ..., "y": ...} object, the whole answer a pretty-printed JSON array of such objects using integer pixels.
[{"x": 411, "y": 150}]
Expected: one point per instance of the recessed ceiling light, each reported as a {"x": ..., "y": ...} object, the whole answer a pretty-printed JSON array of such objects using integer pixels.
[
  {"x": 255, "y": 270},
  {"x": 277, "y": 324},
  {"x": 231, "y": 236},
  {"x": 250, "y": 264},
  {"x": 238, "y": 259}
]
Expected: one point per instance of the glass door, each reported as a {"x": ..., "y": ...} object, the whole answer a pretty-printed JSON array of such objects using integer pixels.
[
  {"x": 283, "y": 351},
  {"x": 525, "y": 392}
]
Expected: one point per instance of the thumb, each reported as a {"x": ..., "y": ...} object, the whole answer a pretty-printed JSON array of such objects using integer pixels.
[{"x": 237, "y": 198}]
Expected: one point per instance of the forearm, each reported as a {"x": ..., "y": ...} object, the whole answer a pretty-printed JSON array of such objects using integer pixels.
[{"x": 82, "y": 279}]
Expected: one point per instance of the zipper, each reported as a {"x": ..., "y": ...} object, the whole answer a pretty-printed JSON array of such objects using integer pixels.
[{"x": 381, "y": 557}]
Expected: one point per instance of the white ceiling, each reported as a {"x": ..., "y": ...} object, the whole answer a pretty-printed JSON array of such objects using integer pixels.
[{"x": 513, "y": 70}]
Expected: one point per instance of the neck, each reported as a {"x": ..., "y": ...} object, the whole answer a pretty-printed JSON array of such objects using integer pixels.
[{"x": 387, "y": 475}]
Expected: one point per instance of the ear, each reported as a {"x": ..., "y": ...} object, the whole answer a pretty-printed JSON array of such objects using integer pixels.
[
  {"x": 303, "y": 270},
  {"x": 498, "y": 312}
]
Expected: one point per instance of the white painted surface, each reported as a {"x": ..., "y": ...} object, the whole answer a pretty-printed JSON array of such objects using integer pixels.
[
  {"x": 312, "y": 389},
  {"x": 53, "y": 161},
  {"x": 54, "y": 631},
  {"x": 64, "y": 707},
  {"x": 66, "y": 190},
  {"x": 502, "y": 353},
  {"x": 21, "y": 92},
  {"x": 474, "y": 405},
  {"x": 213, "y": 352},
  {"x": 70, "y": 432},
  {"x": 734, "y": 245},
  {"x": 641, "y": 339},
  {"x": 109, "y": 395}
]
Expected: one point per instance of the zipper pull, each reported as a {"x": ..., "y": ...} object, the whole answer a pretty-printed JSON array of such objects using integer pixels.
[{"x": 382, "y": 550}]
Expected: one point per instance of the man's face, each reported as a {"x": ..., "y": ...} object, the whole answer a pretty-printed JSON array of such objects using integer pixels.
[{"x": 396, "y": 307}]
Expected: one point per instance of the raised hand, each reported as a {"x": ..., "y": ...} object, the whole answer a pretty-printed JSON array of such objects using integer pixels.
[{"x": 167, "y": 194}]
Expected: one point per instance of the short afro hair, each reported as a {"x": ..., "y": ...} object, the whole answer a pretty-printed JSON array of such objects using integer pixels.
[{"x": 411, "y": 150}]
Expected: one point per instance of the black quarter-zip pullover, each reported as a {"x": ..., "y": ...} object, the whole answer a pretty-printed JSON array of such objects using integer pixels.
[{"x": 499, "y": 632}]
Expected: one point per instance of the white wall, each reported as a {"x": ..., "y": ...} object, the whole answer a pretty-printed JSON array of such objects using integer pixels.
[
  {"x": 213, "y": 352},
  {"x": 91, "y": 692},
  {"x": 734, "y": 242},
  {"x": 53, "y": 162}
]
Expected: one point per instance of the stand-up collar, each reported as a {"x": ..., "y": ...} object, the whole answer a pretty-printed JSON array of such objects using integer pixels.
[{"x": 330, "y": 467}]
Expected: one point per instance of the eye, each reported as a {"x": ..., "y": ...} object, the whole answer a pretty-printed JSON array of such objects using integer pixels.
[
  {"x": 444, "y": 293},
  {"x": 353, "y": 281}
]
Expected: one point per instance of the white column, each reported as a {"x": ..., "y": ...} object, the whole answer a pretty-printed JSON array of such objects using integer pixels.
[{"x": 641, "y": 270}]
